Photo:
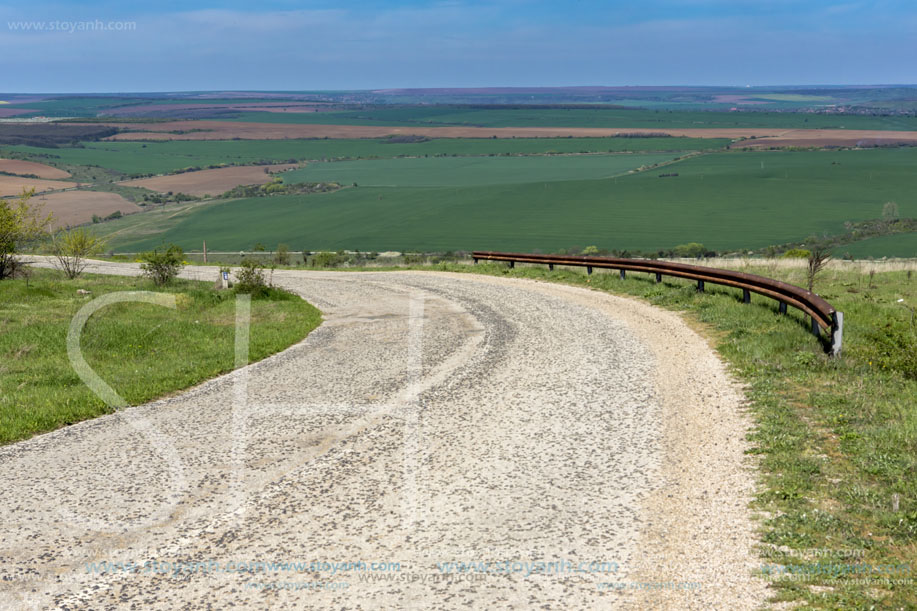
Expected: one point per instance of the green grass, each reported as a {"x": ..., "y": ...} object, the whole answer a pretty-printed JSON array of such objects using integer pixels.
[
  {"x": 164, "y": 157},
  {"x": 902, "y": 245},
  {"x": 622, "y": 118},
  {"x": 472, "y": 171},
  {"x": 143, "y": 351},
  {"x": 724, "y": 200},
  {"x": 836, "y": 437}
]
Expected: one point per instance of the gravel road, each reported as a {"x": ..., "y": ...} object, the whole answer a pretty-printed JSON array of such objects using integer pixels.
[{"x": 576, "y": 450}]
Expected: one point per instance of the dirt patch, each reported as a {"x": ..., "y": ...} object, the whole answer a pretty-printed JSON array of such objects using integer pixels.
[
  {"x": 210, "y": 182},
  {"x": 17, "y": 166},
  {"x": 77, "y": 207},
  {"x": 13, "y": 185}
]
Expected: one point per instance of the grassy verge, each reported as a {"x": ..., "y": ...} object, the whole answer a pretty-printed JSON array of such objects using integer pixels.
[
  {"x": 143, "y": 351},
  {"x": 837, "y": 438}
]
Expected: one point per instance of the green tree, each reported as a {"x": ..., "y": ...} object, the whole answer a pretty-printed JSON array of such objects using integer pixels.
[
  {"x": 72, "y": 248},
  {"x": 692, "y": 250},
  {"x": 20, "y": 224},
  {"x": 890, "y": 213}
]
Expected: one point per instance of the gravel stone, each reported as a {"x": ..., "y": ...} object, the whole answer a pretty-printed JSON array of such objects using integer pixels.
[{"x": 431, "y": 418}]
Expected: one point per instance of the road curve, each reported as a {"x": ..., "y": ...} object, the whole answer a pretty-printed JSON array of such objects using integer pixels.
[{"x": 578, "y": 450}]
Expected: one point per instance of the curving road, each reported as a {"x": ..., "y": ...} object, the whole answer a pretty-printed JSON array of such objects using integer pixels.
[{"x": 577, "y": 450}]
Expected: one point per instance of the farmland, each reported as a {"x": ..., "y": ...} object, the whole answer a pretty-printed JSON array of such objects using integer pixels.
[
  {"x": 210, "y": 182},
  {"x": 13, "y": 185},
  {"x": 726, "y": 200},
  {"x": 77, "y": 207},
  {"x": 472, "y": 171},
  {"x": 900, "y": 245},
  {"x": 657, "y": 170},
  {"x": 30, "y": 168},
  {"x": 136, "y": 158},
  {"x": 577, "y": 117}
]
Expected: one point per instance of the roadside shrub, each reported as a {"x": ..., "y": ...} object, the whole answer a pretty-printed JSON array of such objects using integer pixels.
[
  {"x": 893, "y": 347},
  {"x": 796, "y": 253},
  {"x": 328, "y": 259},
  {"x": 250, "y": 278},
  {"x": 282, "y": 255},
  {"x": 72, "y": 248},
  {"x": 163, "y": 264}
]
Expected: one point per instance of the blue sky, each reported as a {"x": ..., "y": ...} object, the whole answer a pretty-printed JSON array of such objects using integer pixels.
[{"x": 285, "y": 45}]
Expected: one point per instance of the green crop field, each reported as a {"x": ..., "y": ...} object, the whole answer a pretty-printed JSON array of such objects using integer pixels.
[
  {"x": 622, "y": 118},
  {"x": 727, "y": 200},
  {"x": 163, "y": 157},
  {"x": 472, "y": 171},
  {"x": 902, "y": 245}
]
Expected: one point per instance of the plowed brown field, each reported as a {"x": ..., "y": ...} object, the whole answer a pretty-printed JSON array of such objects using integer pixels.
[
  {"x": 17, "y": 166},
  {"x": 210, "y": 182},
  {"x": 13, "y": 185},
  {"x": 77, "y": 207}
]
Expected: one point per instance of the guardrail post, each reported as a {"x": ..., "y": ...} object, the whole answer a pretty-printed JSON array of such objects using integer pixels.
[
  {"x": 658, "y": 278},
  {"x": 816, "y": 330},
  {"x": 512, "y": 264},
  {"x": 700, "y": 286},
  {"x": 746, "y": 296},
  {"x": 550, "y": 267},
  {"x": 475, "y": 260},
  {"x": 783, "y": 307},
  {"x": 623, "y": 274},
  {"x": 837, "y": 332},
  {"x": 589, "y": 269}
]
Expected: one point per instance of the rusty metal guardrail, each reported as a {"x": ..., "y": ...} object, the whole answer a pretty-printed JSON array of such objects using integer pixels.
[{"x": 821, "y": 313}]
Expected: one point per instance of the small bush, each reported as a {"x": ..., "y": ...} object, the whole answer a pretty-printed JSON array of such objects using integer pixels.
[
  {"x": 796, "y": 253},
  {"x": 163, "y": 264},
  {"x": 282, "y": 256},
  {"x": 893, "y": 347},
  {"x": 72, "y": 248},
  {"x": 250, "y": 278},
  {"x": 328, "y": 259}
]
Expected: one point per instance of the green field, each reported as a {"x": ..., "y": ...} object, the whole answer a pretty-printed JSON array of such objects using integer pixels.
[
  {"x": 472, "y": 171},
  {"x": 902, "y": 245},
  {"x": 727, "y": 201},
  {"x": 622, "y": 118},
  {"x": 164, "y": 157},
  {"x": 144, "y": 351}
]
